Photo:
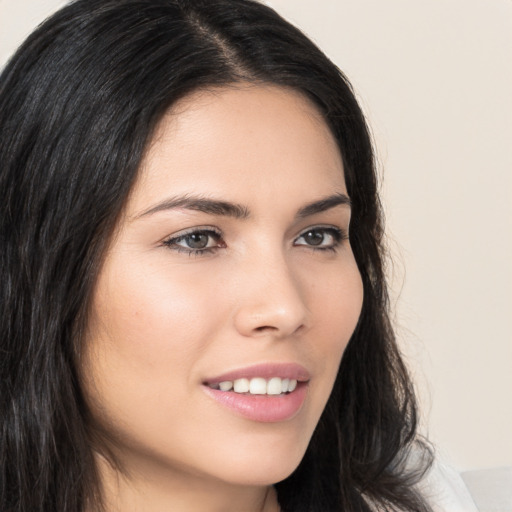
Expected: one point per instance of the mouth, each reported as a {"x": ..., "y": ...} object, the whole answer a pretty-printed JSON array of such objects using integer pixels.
[
  {"x": 264, "y": 393},
  {"x": 257, "y": 386}
]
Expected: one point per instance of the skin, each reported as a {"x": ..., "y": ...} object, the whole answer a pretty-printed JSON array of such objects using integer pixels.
[{"x": 163, "y": 320}]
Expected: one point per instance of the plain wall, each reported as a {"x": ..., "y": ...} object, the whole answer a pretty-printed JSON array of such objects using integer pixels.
[{"x": 435, "y": 79}]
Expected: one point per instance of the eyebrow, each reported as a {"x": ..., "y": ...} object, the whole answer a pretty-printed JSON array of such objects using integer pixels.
[
  {"x": 238, "y": 211},
  {"x": 324, "y": 204},
  {"x": 200, "y": 204}
]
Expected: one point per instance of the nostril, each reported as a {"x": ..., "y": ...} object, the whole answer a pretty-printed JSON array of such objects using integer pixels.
[
  {"x": 264, "y": 328},
  {"x": 270, "y": 329}
]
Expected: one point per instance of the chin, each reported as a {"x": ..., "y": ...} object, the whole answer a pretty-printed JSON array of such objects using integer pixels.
[
  {"x": 263, "y": 474},
  {"x": 264, "y": 464}
]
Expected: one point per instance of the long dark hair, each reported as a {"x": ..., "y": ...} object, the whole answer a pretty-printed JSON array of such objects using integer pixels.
[{"x": 78, "y": 103}]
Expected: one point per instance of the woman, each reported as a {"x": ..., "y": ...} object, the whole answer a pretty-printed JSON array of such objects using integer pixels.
[{"x": 194, "y": 307}]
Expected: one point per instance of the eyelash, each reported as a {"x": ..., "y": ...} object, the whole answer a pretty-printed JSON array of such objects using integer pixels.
[
  {"x": 172, "y": 243},
  {"x": 338, "y": 236}
]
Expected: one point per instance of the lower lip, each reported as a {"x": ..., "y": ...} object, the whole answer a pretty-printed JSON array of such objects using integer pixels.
[{"x": 263, "y": 408}]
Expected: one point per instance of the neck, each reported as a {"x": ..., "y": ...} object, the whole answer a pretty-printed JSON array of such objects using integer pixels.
[{"x": 172, "y": 490}]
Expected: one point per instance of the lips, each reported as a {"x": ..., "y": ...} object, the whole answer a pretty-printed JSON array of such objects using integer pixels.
[{"x": 265, "y": 392}]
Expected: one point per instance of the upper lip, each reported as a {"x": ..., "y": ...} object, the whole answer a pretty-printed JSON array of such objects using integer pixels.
[{"x": 264, "y": 370}]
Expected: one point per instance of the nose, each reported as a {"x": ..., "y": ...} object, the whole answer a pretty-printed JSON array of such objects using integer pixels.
[{"x": 270, "y": 300}]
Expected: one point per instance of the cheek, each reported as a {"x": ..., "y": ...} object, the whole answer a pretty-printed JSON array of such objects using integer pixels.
[
  {"x": 145, "y": 333},
  {"x": 152, "y": 316},
  {"x": 336, "y": 303}
]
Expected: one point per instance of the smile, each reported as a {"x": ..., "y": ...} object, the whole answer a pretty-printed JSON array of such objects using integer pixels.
[
  {"x": 264, "y": 393},
  {"x": 258, "y": 386}
]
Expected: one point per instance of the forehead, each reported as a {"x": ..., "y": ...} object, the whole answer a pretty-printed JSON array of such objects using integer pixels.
[{"x": 242, "y": 140}]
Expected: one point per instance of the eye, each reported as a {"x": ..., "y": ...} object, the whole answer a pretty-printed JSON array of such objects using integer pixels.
[
  {"x": 195, "y": 242},
  {"x": 322, "y": 238}
]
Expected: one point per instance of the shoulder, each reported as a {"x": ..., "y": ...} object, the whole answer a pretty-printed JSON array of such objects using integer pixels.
[
  {"x": 447, "y": 490},
  {"x": 491, "y": 489}
]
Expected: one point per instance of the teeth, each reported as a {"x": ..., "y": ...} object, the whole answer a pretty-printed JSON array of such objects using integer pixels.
[
  {"x": 241, "y": 386},
  {"x": 274, "y": 386},
  {"x": 259, "y": 386},
  {"x": 226, "y": 385}
]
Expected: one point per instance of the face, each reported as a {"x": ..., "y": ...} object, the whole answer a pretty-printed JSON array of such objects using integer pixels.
[{"x": 230, "y": 268}]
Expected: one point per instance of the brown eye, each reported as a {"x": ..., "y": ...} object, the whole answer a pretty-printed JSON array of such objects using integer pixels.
[
  {"x": 322, "y": 238},
  {"x": 313, "y": 237},
  {"x": 196, "y": 240}
]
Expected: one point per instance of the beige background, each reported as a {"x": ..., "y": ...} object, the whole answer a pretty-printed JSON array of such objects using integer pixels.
[{"x": 435, "y": 79}]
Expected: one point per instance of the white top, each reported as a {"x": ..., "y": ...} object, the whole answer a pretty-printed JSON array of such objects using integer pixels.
[{"x": 489, "y": 490}]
